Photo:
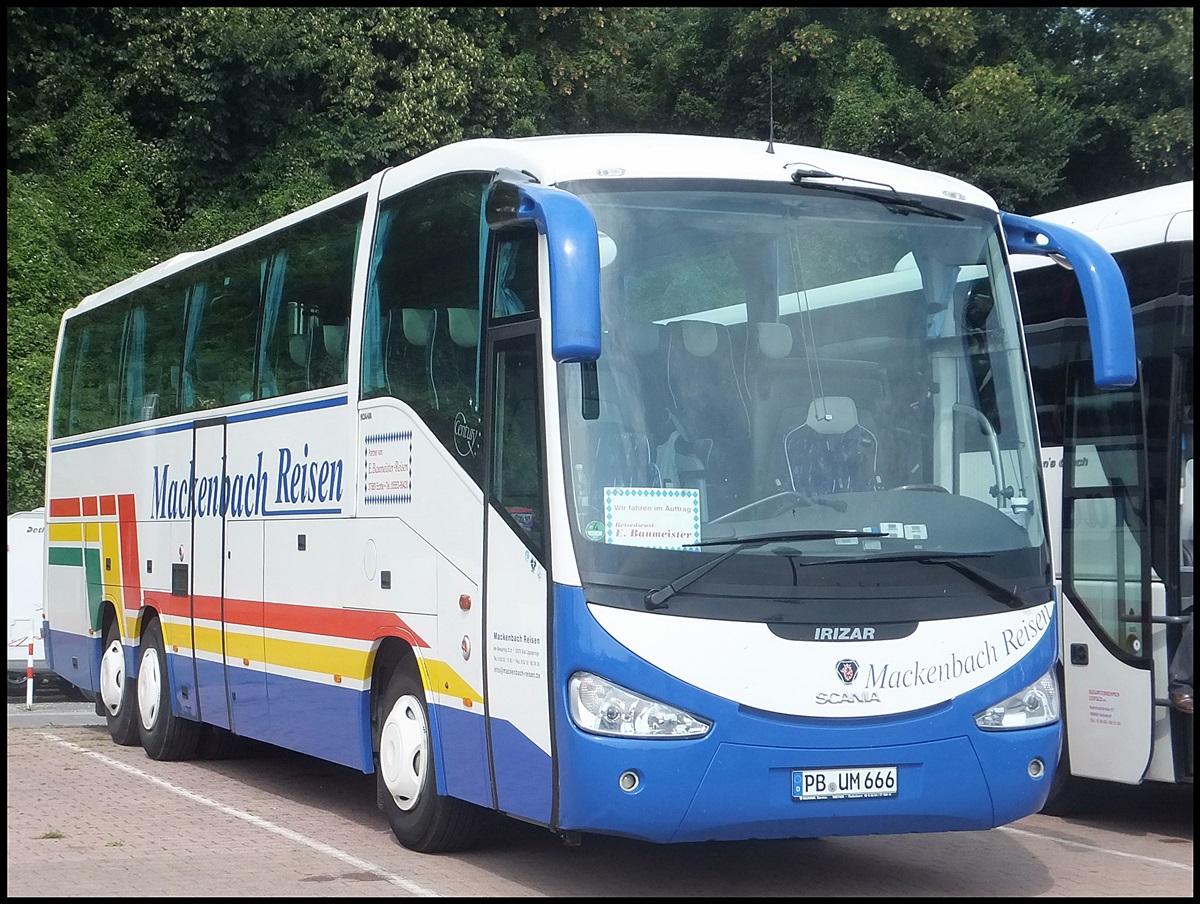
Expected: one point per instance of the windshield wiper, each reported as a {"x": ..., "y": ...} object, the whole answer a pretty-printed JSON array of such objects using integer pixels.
[
  {"x": 657, "y": 599},
  {"x": 896, "y": 203},
  {"x": 997, "y": 591}
]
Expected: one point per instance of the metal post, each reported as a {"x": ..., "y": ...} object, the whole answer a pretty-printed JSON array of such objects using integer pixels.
[{"x": 29, "y": 677}]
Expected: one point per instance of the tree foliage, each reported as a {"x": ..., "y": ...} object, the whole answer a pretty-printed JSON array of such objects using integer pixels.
[{"x": 138, "y": 132}]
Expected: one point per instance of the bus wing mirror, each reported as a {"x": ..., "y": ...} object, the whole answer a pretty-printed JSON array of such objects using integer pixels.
[
  {"x": 573, "y": 244},
  {"x": 1105, "y": 295}
]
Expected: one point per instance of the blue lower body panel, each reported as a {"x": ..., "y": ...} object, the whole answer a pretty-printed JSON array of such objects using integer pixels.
[{"x": 737, "y": 781}]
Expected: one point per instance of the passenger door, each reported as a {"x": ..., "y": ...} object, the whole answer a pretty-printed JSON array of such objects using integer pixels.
[
  {"x": 207, "y": 609},
  {"x": 516, "y": 575},
  {"x": 1106, "y": 610}
]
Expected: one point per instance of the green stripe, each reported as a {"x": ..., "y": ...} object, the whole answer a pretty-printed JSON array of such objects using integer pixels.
[
  {"x": 66, "y": 555},
  {"x": 95, "y": 585}
]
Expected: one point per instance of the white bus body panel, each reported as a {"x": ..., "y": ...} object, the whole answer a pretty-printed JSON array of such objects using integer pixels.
[{"x": 746, "y": 663}]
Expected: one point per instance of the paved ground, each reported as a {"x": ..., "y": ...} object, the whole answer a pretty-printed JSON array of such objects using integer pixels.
[{"x": 89, "y": 818}]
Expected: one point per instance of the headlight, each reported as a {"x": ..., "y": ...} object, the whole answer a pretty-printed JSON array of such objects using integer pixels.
[
  {"x": 604, "y": 708},
  {"x": 1035, "y": 705}
]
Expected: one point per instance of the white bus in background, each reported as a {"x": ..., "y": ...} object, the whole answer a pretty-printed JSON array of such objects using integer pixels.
[{"x": 1126, "y": 459}]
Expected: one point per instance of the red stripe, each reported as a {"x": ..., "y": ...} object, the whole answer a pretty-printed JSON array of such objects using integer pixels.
[
  {"x": 164, "y": 602},
  {"x": 90, "y": 506},
  {"x": 108, "y": 505},
  {"x": 336, "y": 622},
  {"x": 64, "y": 508},
  {"x": 354, "y": 624},
  {"x": 130, "y": 559}
]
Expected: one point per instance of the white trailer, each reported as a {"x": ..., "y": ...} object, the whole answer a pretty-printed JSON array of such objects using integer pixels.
[{"x": 26, "y": 583}]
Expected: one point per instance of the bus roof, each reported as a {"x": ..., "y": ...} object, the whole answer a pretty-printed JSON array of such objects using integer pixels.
[
  {"x": 1132, "y": 220},
  {"x": 555, "y": 159}
]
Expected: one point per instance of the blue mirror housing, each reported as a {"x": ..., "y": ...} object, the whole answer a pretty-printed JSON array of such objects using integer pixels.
[
  {"x": 574, "y": 249},
  {"x": 1105, "y": 295}
]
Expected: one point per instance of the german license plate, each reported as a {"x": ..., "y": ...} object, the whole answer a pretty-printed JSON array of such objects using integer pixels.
[{"x": 839, "y": 784}]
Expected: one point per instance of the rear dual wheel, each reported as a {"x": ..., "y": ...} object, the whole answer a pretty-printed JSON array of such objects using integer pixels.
[{"x": 118, "y": 693}]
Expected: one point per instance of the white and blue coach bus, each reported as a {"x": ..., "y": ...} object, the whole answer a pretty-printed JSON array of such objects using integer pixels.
[{"x": 669, "y": 487}]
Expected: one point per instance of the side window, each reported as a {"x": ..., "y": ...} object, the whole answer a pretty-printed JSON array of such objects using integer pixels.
[
  {"x": 87, "y": 395},
  {"x": 308, "y": 279},
  {"x": 1055, "y": 333},
  {"x": 267, "y": 319},
  {"x": 64, "y": 378},
  {"x": 422, "y": 326},
  {"x": 152, "y": 353},
  {"x": 518, "y": 472},
  {"x": 222, "y": 326},
  {"x": 516, "y": 276}
]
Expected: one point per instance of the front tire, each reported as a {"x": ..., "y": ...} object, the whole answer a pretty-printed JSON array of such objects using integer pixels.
[
  {"x": 406, "y": 779},
  {"x": 118, "y": 692},
  {"x": 164, "y": 735}
]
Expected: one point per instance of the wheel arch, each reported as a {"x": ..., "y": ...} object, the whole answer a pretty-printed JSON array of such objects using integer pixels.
[
  {"x": 391, "y": 653},
  {"x": 394, "y": 653},
  {"x": 130, "y": 631}
]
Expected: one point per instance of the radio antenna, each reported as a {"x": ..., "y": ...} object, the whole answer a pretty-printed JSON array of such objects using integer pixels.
[{"x": 771, "y": 107}]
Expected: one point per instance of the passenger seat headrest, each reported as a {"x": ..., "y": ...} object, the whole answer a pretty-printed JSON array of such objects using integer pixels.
[
  {"x": 464, "y": 327},
  {"x": 335, "y": 341},
  {"x": 699, "y": 337},
  {"x": 774, "y": 339},
  {"x": 416, "y": 325},
  {"x": 298, "y": 349},
  {"x": 832, "y": 414}
]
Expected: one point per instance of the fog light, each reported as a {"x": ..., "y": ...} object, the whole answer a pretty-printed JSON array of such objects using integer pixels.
[
  {"x": 629, "y": 781},
  {"x": 1036, "y": 767}
]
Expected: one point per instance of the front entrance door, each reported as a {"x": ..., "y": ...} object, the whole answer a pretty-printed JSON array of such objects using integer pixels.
[{"x": 1106, "y": 655}]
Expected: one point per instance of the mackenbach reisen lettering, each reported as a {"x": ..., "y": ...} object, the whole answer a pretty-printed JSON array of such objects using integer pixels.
[
  {"x": 246, "y": 495},
  {"x": 515, "y": 638}
]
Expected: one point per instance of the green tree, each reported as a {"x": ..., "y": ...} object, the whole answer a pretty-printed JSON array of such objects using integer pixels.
[
  {"x": 88, "y": 222},
  {"x": 138, "y": 132}
]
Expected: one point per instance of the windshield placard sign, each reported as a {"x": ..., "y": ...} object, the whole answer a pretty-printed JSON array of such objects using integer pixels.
[{"x": 658, "y": 517}]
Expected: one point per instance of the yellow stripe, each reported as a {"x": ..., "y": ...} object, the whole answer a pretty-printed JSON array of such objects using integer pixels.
[
  {"x": 176, "y": 634},
  {"x": 244, "y": 646},
  {"x": 66, "y": 532},
  {"x": 91, "y": 532},
  {"x": 110, "y": 554},
  {"x": 323, "y": 659},
  {"x": 292, "y": 654},
  {"x": 313, "y": 657},
  {"x": 447, "y": 681}
]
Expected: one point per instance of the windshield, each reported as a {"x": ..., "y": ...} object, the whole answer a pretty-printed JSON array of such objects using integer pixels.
[{"x": 785, "y": 359}]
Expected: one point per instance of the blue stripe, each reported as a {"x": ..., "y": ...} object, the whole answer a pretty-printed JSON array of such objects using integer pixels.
[{"x": 188, "y": 425}]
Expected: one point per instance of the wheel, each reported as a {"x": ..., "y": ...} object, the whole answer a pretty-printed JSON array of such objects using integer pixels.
[
  {"x": 118, "y": 691},
  {"x": 406, "y": 781},
  {"x": 164, "y": 735},
  {"x": 16, "y": 684}
]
